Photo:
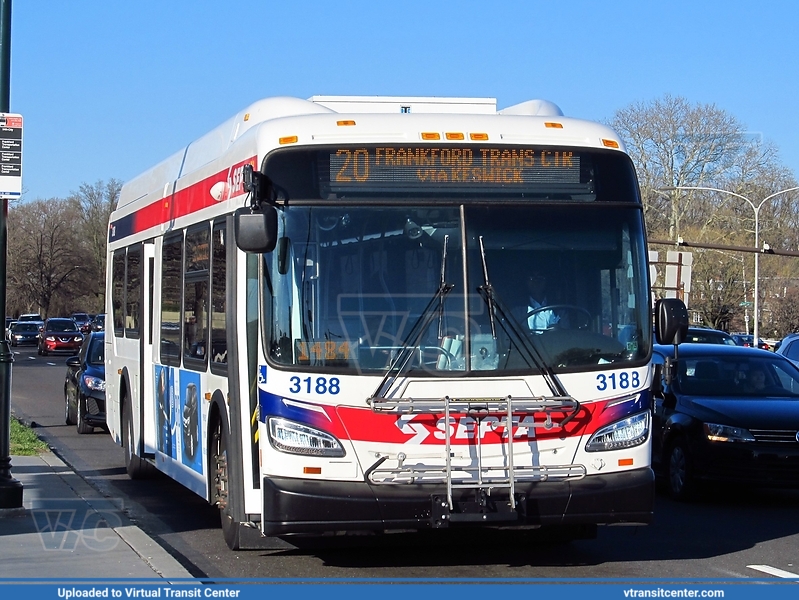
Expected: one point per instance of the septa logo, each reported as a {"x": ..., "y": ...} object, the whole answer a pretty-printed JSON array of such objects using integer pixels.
[{"x": 466, "y": 429}]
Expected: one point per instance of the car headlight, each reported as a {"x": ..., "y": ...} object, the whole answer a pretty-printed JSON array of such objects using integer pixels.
[
  {"x": 626, "y": 433},
  {"x": 294, "y": 438},
  {"x": 725, "y": 433},
  {"x": 78, "y": 338},
  {"x": 94, "y": 383}
]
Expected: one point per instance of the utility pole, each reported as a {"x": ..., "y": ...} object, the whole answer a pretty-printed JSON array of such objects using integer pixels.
[{"x": 10, "y": 488}]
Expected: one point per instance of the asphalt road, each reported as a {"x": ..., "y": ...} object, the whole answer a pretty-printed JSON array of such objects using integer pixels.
[{"x": 729, "y": 534}]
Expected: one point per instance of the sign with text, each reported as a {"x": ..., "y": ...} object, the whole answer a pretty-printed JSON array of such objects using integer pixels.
[
  {"x": 10, "y": 155},
  {"x": 416, "y": 168}
]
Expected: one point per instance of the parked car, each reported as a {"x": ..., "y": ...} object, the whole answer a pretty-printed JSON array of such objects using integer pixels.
[
  {"x": 25, "y": 332},
  {"x": 60, "y": 335},
  {"x": 729, "y": 414},
  {"x": 84, "y": 385},
  {"x": 743, "y": 339},
  {"x": 789, "y": 347},
  {"x": 703, "y": 335},
  {"x": 98, "y": 323}
]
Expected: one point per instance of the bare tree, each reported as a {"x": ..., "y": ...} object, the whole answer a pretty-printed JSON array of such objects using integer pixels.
[
  {"x": 94, "y": 204},
  {"x": 44, "y": 256},
  {"x": 677, "y": 144}
]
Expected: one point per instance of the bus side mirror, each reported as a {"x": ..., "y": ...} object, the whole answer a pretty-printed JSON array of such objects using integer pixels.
[
  {"x": 671, "y": 321},
  {"x": 256, "y": 228}
]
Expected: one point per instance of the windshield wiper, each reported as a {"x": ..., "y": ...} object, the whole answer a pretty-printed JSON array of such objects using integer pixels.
[
  {"x": 527, "y": 348},
  {"x": 411, "y": 341}
]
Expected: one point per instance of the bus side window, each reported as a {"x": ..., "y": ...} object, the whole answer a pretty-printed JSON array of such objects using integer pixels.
[
  {"x": 195, "y": 297},
  {"x": 218, "y": 306}
]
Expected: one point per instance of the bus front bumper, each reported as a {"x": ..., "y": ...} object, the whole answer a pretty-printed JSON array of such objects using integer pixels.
[{"x": 300, "y": 506}]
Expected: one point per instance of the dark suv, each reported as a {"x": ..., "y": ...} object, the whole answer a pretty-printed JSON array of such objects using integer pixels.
[
  {"x": 60, "y": 335},
  {"x": 743, "y": 339},
  {"x": 83, "y": 320}
]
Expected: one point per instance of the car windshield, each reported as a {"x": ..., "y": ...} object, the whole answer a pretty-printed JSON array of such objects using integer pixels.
[
  {"x": 736, "y": 376},
  {"x": 62, "y": 325},
  {"x": 25, "y": 327}
]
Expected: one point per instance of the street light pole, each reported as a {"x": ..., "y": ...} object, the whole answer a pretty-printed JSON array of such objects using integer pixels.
[{"x": 756, "y": 208}]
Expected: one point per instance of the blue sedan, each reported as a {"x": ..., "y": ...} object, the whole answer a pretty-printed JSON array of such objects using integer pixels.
[
  {"x": 84, "y": 385},
  {"x": 725, "y": 413}
]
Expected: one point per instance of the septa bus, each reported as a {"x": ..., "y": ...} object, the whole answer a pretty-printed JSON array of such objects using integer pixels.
[{"x": 320, "y": 320}]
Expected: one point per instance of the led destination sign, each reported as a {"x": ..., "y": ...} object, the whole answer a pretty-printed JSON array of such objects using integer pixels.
[{"x": 414, "y": 167}]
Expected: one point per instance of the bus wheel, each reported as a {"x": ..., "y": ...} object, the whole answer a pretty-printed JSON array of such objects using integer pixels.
[
  {"x": 137, "y": 467},
  {"x": 230, "y": 528}
]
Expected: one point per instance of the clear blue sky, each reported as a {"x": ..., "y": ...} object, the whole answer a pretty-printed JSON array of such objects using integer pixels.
[{"x": 109, "y": 88}]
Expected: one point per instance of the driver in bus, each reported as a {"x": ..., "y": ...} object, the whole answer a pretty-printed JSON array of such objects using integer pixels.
[{"x": 539, "y": 320}]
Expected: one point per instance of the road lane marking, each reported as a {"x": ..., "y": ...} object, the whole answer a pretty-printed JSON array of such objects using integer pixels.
[{"x": 773, "y": 571}]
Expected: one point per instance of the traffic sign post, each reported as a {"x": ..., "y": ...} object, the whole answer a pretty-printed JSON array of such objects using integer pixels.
[{"x": 10, "y": 156}]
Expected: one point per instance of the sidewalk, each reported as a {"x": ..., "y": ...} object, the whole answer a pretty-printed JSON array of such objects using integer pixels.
[{"x": 67, "y": 530}]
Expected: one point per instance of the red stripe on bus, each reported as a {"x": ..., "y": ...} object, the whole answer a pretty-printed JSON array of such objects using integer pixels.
[{"x": 186, "y": 201}]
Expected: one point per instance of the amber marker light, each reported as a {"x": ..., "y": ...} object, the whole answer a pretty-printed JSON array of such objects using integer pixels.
[
  {"x": 553, "y": 125},
  {"x": 345, "y": 123},
  {"x": 481, "y": 137},
  {"x": 625, "y": 462},
  {"x": 455, "y": 136},
  {"x": 289, "y": 139},
  {"x": 430, "y": 136},
  {"x": 610, "y": 143},
  {"x": 247, "y": 117},
  {"x": 312, "y": 470}
]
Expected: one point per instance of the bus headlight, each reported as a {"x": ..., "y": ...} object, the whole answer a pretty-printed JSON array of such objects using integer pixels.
[
  {"x": 294, "y": 438},
  {"x": 626, "y": 433}
]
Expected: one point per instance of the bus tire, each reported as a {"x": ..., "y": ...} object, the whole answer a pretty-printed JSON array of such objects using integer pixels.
[
  {"x": 137, "y": 467},
  {"x": 221, "y": 489}
]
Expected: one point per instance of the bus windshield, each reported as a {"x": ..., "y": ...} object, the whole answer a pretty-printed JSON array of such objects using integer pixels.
[{"x": 346, "y": 286}]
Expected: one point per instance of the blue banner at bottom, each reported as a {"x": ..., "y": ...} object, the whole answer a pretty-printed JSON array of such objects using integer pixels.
[{"x": 398, "y": 589}]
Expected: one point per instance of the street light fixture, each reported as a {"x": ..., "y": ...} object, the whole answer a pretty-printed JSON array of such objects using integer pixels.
[{"x": 756, "y": 208}]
